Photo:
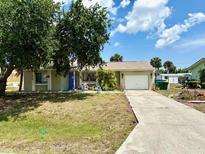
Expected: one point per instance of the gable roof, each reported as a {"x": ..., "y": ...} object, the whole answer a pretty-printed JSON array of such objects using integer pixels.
[
  {"x": 128, "y": 66},
  {"x": 141, "y": 66},
  {"x": 202, "y": 60}
]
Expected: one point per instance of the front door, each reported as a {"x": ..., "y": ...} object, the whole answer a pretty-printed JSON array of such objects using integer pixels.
[{"x": 71, "y": 78}]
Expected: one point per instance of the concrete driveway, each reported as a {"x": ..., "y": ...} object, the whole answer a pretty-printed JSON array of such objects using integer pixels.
[{"x": 165, "y": 126}]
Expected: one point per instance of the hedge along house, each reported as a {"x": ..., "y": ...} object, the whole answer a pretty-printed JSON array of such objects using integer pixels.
[
  {"x": 130, "y": 75},
  {"x": 196, "y": 68}
]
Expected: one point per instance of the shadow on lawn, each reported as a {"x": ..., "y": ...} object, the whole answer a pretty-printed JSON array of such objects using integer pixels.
[{"x": 15, "y": 104}]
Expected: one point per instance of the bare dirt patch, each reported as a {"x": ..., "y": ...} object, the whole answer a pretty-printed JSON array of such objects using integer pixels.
[{"x": 186, "y": 97}]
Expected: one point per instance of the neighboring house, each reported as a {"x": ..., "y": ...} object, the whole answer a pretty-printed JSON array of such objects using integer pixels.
[
  {"x": 173, "y": 78},
  {"x": 13, "y": 80},
  {"x": 130, "y": 75},
  {"x": 196, "y": 67}
]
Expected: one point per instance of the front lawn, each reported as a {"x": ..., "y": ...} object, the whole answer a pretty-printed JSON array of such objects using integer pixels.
[{"x": 64, "y": 123}]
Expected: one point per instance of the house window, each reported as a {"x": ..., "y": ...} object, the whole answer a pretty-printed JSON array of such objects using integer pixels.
[
  {"x": 41, "y": 78},
  {"x": 166, "y": 77},
  {"x": 89, "y": 76}
]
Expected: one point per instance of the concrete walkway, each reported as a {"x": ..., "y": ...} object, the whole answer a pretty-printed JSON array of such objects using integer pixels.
[{"x": 165, "y": 126}]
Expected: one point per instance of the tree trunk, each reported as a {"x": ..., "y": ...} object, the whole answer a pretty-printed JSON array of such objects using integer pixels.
[
  {"x": 2, "y": 86},
  {"x": 3, "y": 80},
  {"x": 21, "y": 80}
]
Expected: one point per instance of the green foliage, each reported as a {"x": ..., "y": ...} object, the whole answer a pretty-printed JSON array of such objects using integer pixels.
[
  {"x": 116, "y": 58},
  {"x": 169, "y": 67},
  {"x": 81, "y": 34},
  {"x": 182, "y": 79},
  {"x": 161, "y": 71},
  {"x": 156, "y": 62},
  {"x": 26, "y": 28},
  {"x": 203, "y": 85},
  {"x": 25, "y": 32},
  {"x": 202, "y": 75},
  {"x": 107, "y": 79},
  {"x": 182, "y": 70},
  {"x": 194, "y": 84}
]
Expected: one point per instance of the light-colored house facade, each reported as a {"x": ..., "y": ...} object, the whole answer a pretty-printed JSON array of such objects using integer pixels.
[
  {"x": 44, "y": 80},
  {"x": 130, "y": 75},
  {"x": 173, "y": 78},
  {"x": 196, "y": 67},
  {"x": 14, "y": 80}
]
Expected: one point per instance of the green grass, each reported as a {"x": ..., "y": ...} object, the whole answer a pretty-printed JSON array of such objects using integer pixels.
[
  {"x": 29, "y": 129},
  {"x": 64, "y": 123}
]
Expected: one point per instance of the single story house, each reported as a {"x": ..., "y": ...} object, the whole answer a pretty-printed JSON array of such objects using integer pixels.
[
  {"x": 196, "y": 67},
  {"x": 173, "y": 78},
  {"x": 13, "y": 80},
  {"x": 130, "y": 75}
]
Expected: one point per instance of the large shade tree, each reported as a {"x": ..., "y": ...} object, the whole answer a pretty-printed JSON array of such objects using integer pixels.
[
  {"x": 25, "y": 35},
  {"x": 116, "y": 58},
  {"x": 81, "y": 34},
  {"x": 169, "y": 67}
]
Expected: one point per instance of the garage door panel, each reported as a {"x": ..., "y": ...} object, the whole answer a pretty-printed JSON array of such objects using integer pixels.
[{"x": 136, "y": 82}]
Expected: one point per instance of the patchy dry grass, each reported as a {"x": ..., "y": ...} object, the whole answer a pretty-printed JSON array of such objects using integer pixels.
[
  {"x": 169, "y": 92},
  {"x": 64, "y": 123}
]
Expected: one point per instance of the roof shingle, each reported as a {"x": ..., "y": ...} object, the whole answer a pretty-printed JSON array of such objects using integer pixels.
[{"x": 128, "y": 66}]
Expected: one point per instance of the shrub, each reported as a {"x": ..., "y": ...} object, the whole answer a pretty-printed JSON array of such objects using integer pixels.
[
  {"x": 202, "y": 78},
  {"x": 191, "y": 95},
  {"x": 107, "y": 80},
  {"x": 194, "y": 84},
  {"x": 202, "y": 75},
  {"x": 203, "y": 85},
  {"x": 182, "y": 80},
  {"x": 187, "y": 95}
]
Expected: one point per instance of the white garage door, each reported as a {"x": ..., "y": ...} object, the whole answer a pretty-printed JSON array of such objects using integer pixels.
[{"x": 136, "y": 82}]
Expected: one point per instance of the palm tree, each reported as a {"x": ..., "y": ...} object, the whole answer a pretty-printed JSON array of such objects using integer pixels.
[
  {"x": 156, "y": 62},
  {"x": 116, "y": 58}
]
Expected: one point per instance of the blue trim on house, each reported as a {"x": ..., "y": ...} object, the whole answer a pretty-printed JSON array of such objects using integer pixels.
[{"x": 71, "y": 79}]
